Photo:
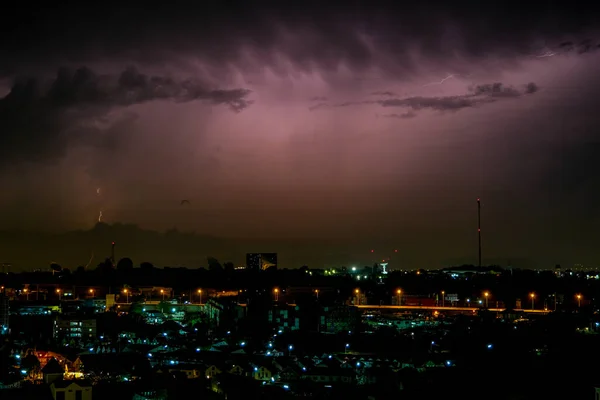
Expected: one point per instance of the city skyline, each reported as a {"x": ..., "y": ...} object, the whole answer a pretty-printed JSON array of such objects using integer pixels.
[{"x": 321, "y": 133}]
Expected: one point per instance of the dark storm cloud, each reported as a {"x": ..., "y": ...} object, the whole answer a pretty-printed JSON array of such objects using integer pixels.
[
  {"x": 384, "y": 93},
  {"x": 406, "y": 115},
  {"x": 310, "y": 34},
  {"x": 35, "y": 118},
  {"x": 582, "y": 47},
  {"x": 478, "y": 95},
  {"x": 446, "y": 103},
  {"x": 84, "y": 88},
  {"x": 496, "y": 90}
]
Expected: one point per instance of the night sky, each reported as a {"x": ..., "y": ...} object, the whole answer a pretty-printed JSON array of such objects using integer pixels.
[{"x": 319, "y": 130}]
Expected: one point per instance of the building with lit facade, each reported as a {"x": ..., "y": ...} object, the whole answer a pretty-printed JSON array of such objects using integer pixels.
[
  {"x": 74, "y": 328},
  {"x": 261, "y": 261},
  {"x": 4, "y": 314}
]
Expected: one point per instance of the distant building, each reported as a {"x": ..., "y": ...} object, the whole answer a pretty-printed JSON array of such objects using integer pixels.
[
  {"x": 261, "y": 261},
  {"x": 285, "y": 318},
  {"x": 31, "y": 308},
  {"x": 4, "y": 314},
  {"x": 71, "y": 390},
  {"x": 338, "y": 319},
  {"x": 223, "y": 311},
  {"x": 74, "y": 328}
]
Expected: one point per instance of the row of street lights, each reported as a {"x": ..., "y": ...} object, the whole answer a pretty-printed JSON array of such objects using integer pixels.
[
  {"x": 486, "y": 296},
  {"x": 125, "y": 291},
  {"x": 276, "y": 293}
]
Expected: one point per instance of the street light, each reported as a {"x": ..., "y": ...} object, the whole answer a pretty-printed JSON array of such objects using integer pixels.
[
  {"x": 26, "y": 291},
  {"x": 200, "y": 296},
  {"x": 399, "y": 293},
  {"x": 579, "y": 300},
  {"x": 163, "y": 294},
  {"x": 58, "y": 292},
  {"x": 276, "y": 292},
  {"x": 126, "y": 295},
  {"x": 317, "y": 293},
  {"x": 357, "y": 292},
  {"x": 443, "y": 300},
  {"x": 346, "y": 348},
  {"x": 532, "y": 295},
  {"x": 91, "y": 292},
  {"x": 486, "y": 295}
]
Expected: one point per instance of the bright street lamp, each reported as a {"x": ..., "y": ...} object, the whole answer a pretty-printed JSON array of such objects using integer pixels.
[
  {"x": 532, "y": 295},
  {"x": 486, "y": 295}
]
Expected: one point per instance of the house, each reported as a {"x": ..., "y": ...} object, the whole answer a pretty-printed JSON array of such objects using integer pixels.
[
  {"x": 112, "y": 364},
  {"x": 289, "y": 374},
  {"x": 71, "y": 390},
  {"x": 52, "y": 371},
  {"x": 325, "y": 375},
  {"x": 234, "y": 386},
  {"x": 287, "y": 369},
  {"x": 188, "y": 370},
  {"x": 238, "y": 370},
  {"x": 261, "y": 372},
  {"x": 212, "y": 371}
]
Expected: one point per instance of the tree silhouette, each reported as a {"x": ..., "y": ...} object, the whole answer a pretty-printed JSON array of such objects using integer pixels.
[
  {"x": 229, "y": 267},
  {"x": 146, "y": 266},
  {"x": 214, "y": 264},
  {"x": 30, "y": 362},
  {"x": 125, "y": 264},
  {"x": 105, "y": 265}
]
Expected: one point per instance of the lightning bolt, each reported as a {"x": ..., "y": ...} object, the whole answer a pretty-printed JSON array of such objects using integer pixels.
[
  {"x": 100, "y": 215},
  {"x": 89, "y": 262},
  {"x": 546, "y": 54},
  {"x": 450, "y": 76}
]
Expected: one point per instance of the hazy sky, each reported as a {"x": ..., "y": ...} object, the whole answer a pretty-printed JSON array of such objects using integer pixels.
[{"x": 373, "y": 124}]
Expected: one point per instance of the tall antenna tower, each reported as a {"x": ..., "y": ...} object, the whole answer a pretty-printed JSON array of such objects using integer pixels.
[
  {"x": 479, "y": 227},
  {"x": 112, "y": 254}
]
